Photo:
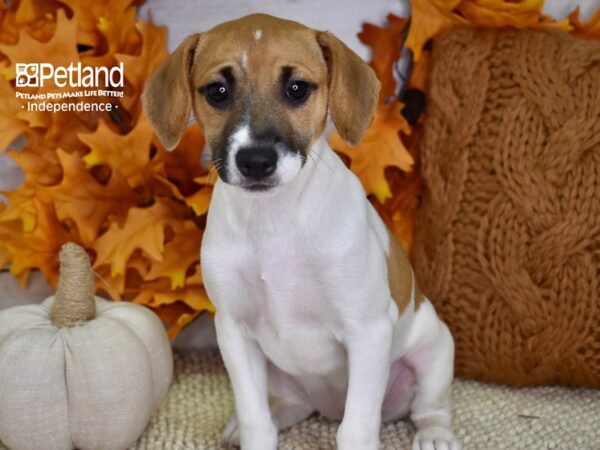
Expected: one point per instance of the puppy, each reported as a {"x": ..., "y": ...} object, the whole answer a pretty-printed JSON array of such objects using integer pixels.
[{"x": 317, "y": 306}]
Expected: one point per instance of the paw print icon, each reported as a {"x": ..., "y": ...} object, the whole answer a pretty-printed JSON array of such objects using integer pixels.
[{"x": 27, "y": 75}]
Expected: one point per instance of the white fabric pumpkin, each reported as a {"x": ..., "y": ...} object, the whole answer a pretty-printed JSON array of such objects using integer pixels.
[{"x": 86, "y": 384}]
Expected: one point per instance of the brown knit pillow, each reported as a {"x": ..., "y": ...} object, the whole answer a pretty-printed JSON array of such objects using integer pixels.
[{"x": 507, "y": 240}]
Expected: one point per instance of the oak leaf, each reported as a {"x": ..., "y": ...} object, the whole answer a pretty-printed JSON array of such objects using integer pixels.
[
  {"x": 37, "y": 19},
  {"x": 60, "y": 50},
  {"x": 176, "y": 307},
  {"x": 93, "y": 29},
  {"x": 180, "y": 254},
  {"x": 386, "y": 45},
  {"x": 80, "y": 197},
  {"x": 586, "y": 30},
  {"x": 176, "y": 316},
  {"x": 123, "y": 286},
  {"x": 183, "y": 163},
  {"x": 38, "y": 249},
  {"x": 502, "y": 13},
  {"x": 33, "y": 10},
  {"x": 428, "y": 18},
  {"x": 10, "y": 125},
  {"x": 38, "y": 161},
  {"x": 200, "y": 200},
  {"x": 21, "y": 207},
  {"x": 380, "y": 147},
  {"x": 129, "y": 153},
  {"x": 138, "y": 68},
  {"x": 159, "y": 292},
  {"x": 143, "y": 229}
]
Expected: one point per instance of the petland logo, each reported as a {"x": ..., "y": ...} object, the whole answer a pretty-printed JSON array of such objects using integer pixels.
[
  {"x": 74, "y": 76},
  {"x": 80, "y": 89}
]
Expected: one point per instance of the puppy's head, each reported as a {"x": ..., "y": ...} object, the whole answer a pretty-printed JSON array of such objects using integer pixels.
[{"x": 261, "y": 88}]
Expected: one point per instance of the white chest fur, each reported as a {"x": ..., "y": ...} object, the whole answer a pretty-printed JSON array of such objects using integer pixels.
[{"x": 296, "y": 267}]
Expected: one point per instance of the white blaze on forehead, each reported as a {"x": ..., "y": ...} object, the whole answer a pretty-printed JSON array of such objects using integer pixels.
[
  {"x": 245, "y": 60},
  {"x": 257, "y": 34}
]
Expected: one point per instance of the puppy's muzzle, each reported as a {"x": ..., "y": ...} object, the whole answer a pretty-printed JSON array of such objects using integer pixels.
[{"x": 256, "y": 163}]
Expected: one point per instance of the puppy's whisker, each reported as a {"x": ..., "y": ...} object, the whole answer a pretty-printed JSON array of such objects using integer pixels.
[{"x": 213, "y": 171}]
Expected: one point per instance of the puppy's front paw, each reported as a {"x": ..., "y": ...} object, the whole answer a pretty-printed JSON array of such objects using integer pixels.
[
  {"x": 254, "y": 438},
  {"x": 230, "y": 437},
  {"x": 435, "y": 438},
  {"x": 357, "y": 438}
]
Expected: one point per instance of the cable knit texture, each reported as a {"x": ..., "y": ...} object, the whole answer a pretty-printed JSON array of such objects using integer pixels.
[{"x": 507, "y": 239}]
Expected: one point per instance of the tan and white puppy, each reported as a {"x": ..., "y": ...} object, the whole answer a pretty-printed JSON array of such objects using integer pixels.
[{"x": 317, "y": 307}]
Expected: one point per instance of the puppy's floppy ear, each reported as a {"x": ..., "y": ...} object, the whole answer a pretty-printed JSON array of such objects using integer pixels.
[
  {"x": 167, "y": 97},
  {"x": 353, "y": 88}
]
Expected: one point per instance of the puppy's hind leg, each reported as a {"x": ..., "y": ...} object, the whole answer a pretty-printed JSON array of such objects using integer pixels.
[
  {"x": 288, "y": 401},
  {"x": 400, "y": 392},
  {"x": 433, "y": 363}
]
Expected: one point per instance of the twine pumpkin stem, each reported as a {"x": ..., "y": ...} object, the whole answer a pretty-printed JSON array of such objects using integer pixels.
[{"x": 74, "y": 302}]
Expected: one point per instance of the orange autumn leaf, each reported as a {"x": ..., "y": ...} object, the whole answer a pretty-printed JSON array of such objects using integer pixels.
[
  {"x": 407, "y": 188},
  {"x": 176, "y": 316},
  {"x": 10, "y": 125},
  {"x": 429, "y": 17},
  {"x": 177, "y": 308},
  {"x": 123, "y": 286},
  {"x": 4, "y": 257},
  {"x": 31, "y": 15},
  {"x": 500, "y": 13},
  {"x": 586, "y": 30},
  {"x": 21, "y": 207},
  {"x": 117, "y": 27},
  {"x": 130, "y": 153},
  {"x": 183, "y": 163},
  {"x": 386, "y": 44},
  {"x": 39, "y": 163},
  {"x": 200, "y": 200},
  {"x": 380, "y": 147},
  {"x": 159, "y": 292},
  {"x": 80, "y": 197},
  {"x": 56, "y": 136},
  {"x": 180, "y": 254},
  {"x": 60, "y": 50},
  {"x": 138, "y": 68},
  {"x": 33, "y": 10},
  {"x": 38, "y": 249},
  {"x": 143, "y": 229},
  {"x": 91, "y": 17}
]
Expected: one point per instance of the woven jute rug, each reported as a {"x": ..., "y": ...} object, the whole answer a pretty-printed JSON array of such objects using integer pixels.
[{"x": 486, "y": 417}]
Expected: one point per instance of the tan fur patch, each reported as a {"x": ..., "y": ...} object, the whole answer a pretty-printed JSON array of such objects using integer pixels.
[
  {"x": 256, "y": 49},
  {"x": 400, "y": 276},
  {"x": 257, "y": 65}
]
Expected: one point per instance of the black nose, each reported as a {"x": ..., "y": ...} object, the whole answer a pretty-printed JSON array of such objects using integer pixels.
[{"x": 256, "y": 162}]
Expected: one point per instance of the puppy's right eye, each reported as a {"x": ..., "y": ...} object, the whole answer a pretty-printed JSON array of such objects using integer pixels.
[{"x": 216, "y": 94}]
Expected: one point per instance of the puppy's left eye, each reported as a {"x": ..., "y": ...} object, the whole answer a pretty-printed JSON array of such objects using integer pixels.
[{"x": 298, "y": 91}]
